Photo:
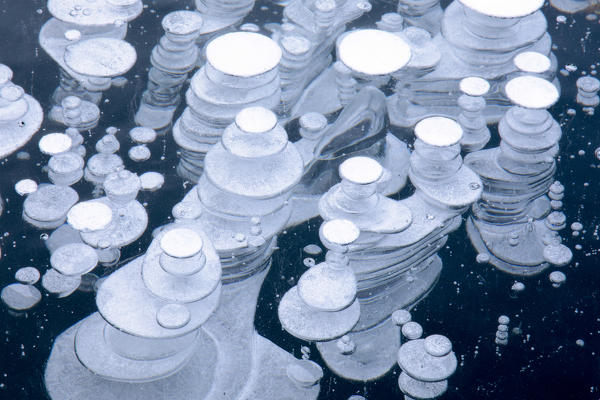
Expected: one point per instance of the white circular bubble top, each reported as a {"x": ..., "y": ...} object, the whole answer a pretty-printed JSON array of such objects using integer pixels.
[
  {"x": 256, "y": 120},
  {"x": 54, "y": 143},
  {"x": 504, "y": 8},
  {"x": 181, "y": 243},
  {"x": 532, "y": 61},
  {"x": 151, "y": 180},
  {"x": 182, "y": 22},
  {"x": 437, "y": 345},
  {"x": 100, "y": 57},
  {"x": 173, "y": 316},
  {"x": 438, "y": 131},
  {"x": 373, "y": 52},
  {"x": 25, "y": 186},
  {"x": 89, "y": 216},
  {"x": 27, "y": 275},
  {"x": 531, "y": 92},
  {"x": 72, "y": 35},
  {"x": 141, "y": 134},
  {"x": 340, "y": 231},
  {"x": 243, "y": 54},
  {"x": 361, "y": 170},
  {"x": 474, "y": 86}
]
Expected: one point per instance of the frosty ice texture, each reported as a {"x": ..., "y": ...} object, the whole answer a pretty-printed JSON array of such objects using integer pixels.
[{"x": 178, "y": 321}]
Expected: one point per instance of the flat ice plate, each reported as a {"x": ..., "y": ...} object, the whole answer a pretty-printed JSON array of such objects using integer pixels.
[
  {"x": 305, "y": 323},
  {"x": 504, "y": 8},
  {"x": 100, "y": 57},
  {"x": 93, "y": 351},
  {"x": 373, "y": 52}
]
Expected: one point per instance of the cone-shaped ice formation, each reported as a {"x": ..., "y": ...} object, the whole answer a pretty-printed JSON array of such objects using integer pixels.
[
  {"x": 100, "y": 165},
  {"x": 130, "y": 218},
  {"x": 242, "y": 203},
  {"x": 240, "y": 71},
  {"x": 151, "y": 311},
  {"x": 514, "y": 222},
  {"x": 172, "y": 59}
]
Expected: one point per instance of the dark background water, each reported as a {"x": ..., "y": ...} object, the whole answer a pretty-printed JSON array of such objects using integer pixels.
[{"x": 543, "y": 363}]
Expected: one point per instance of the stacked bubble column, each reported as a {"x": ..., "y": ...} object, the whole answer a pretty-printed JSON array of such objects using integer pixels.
[
  {"x": 396, "y": 266},
  {"x": 242, "y": 199},
  {"x": 74, "y": 112},
  {"x": 472, "y": 104},
  {"x": 319, "y": 23},
  {"x": 323, "y": 305},
  {"x": 226, "y": 84},
  {"x": 96, "y": 61},
  {"x": 426, "y": 366},
  {"x": 172, "y": 59},
  {"x": 477, "y": 39},
  {"x": 73, "y": 22},
  {"x": 513, "y": 222},
  {"x": 357, "y": 200},
  {"x": 151, "y": 310}
]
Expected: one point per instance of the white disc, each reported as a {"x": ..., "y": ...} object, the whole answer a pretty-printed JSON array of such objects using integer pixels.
[
  {"x": 243, "y": 54},
  {"x": 438, "y": 131},
  {"x": 361, "y": 170},
  {"x": 504, "y": 8},
  {"x": 340, "y": 231},
  {"x": 532, "y": 61},
  {"x": 54, "y": 143},
  {"x": 89, "y": 216},
  {"x": 531, "y": 92},
  {"x": 181, "y": 243},
  {"x": 373, "y": 52},
  {"x": 474, "y": 86}
]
